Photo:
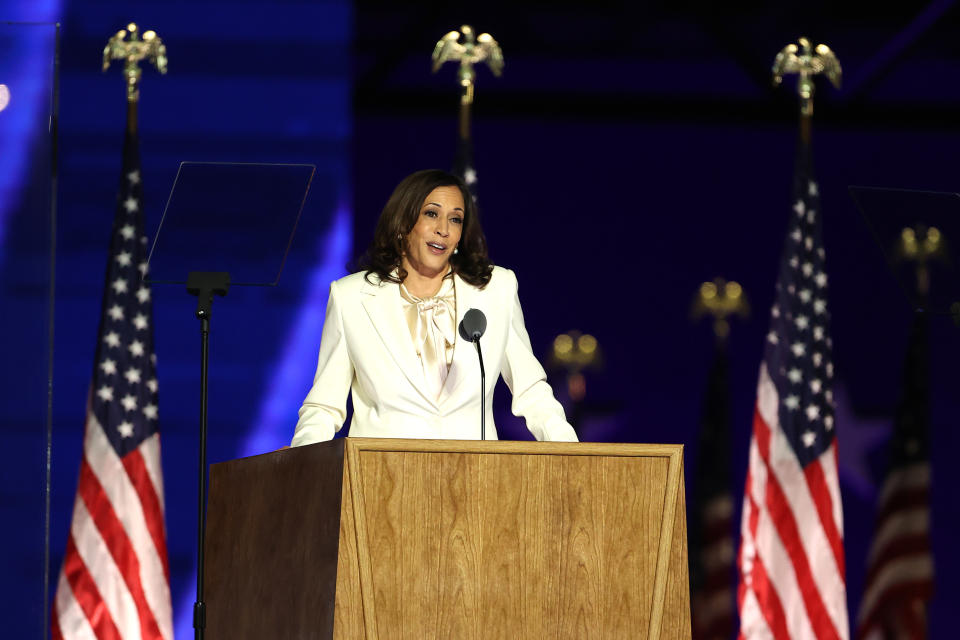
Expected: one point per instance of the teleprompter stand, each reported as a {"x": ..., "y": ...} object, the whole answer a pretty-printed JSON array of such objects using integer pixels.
[{"x": 241, "y": 217}]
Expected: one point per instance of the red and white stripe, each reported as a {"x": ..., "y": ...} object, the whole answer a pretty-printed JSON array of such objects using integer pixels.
[
  {"x": 792, "y": 575},
  {"x": 115, "y": 581},
  {"x": 712, "y": 606},
  {"x": 900, "y": 563}
]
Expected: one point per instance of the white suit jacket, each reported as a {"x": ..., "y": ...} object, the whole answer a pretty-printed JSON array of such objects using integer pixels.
[{"x": 366, "y": 349}]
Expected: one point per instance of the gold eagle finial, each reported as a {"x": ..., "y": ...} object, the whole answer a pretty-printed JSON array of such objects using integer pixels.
[
  {"x": 149, "y": 47},
  {"x": 473, "y": 50},
  {"x": 807, "y": 61}
]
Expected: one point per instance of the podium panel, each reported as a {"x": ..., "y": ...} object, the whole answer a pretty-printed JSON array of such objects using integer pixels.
[{"x": 449, "y": 539}]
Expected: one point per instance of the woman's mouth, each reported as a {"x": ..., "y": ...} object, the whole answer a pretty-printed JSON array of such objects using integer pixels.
[{"x": 436, "y": 248}]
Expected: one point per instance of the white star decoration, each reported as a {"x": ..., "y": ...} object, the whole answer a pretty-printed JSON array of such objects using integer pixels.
[
  {"x": 818, "y": 333},
  {"x": 795, "y": 375},
  {"x": 132, "y": 375},
  {"x": 775, "y": 311},
  {"x": 130, "y": 204},
  {"x": 119, "y": 285},
  {"x": 150, "y": 411},
  {"x": 817, "y": 359},
  {"x": 819, "y": 306},
  {"x": 799, "y": 207},
  {"x": 133, "y": 177},
  {"x": 127, "y": 231},
  {"x": 152, "y": 384},
  {"x": 105, "y": 393},
  {"x": 828, "y": 422},
  {"x": 470, "y": 176},
  {"x": 805, "y": 295},
  {"x": 772, "y": 337},
  {"x": 791, "y": 402},
  {"x": 796, "y": 235},
  {"x": 109, "y": 367},
  {"x": 136, "y": 348},
  {"x": 815, "y": 385},
  {"x": 802, "y": 322},
  {"x": 143, "y": 268},
  {"x": 112, "y": 339},
  {"x": 798, "y": 349},
  {"x": 809, "y": 437},
  {"x": 123, "y": 259},
  {"x": 129, "y": 402},
  {"x": 143, "y": 294},
  {"x": 821, "y": 279},
  {"x": 807, "y": 269},
  {"x": 811, "y": 215},
  {"x": 140, "y": 321},
  {"x": 115, "y": 312},
  {"x": 808, "y": 243},
  {"x": 813, "y": 412},
  {"x": 126, "y": 429},
  {"x": 812, "y": 189}
]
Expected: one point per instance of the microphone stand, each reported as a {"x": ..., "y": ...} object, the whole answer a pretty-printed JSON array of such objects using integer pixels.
[{"x": 483, "y": 390}]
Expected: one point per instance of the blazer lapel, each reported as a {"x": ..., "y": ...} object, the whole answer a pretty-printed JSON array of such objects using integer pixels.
[
  {"x": 382, "y": 305},
  {"x": 464, "y": 353}
]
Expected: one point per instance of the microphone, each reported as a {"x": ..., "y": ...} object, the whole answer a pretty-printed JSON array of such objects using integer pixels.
[
  {"x": 473, "y": 325},
  {"x": 472, "y": 328}
]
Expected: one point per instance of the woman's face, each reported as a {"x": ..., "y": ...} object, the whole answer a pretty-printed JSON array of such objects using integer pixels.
[{"x": 429, "y": 245}]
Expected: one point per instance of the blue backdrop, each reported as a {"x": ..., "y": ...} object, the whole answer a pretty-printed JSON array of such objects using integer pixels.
[{"x": 602, "y": 170}]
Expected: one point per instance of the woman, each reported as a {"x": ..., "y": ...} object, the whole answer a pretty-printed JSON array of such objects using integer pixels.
[{"x": 390, "y": 334}]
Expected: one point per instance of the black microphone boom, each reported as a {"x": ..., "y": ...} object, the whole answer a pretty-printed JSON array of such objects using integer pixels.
[{"x": 472, "y": 328}]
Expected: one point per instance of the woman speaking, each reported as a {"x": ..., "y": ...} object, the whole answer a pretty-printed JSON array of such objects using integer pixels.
[{"x": 390, "y": 335}]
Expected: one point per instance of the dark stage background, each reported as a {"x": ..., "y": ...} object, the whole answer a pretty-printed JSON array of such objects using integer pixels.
[{"x": 630, "y": 152}]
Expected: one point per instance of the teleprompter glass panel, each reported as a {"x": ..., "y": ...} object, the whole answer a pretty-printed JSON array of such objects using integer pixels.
[{"x": 233, "y": 217}]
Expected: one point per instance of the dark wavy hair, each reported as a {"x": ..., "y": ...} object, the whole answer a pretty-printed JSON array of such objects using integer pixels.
[{"x": 400, "y": 215}]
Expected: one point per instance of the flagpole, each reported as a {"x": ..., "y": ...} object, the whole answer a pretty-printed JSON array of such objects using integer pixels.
[
  {"x": 575, "y": 352},
  {"x": 806, "y": 62},
  {"x": 720, "y": 299},
  {"x": 468, "y": 50},
  {"x": 114, "y": 580},
  {"x": 465, "y": 103},
  {"x": 711, "y": 513},
  {"x": 146, "y": 47}
]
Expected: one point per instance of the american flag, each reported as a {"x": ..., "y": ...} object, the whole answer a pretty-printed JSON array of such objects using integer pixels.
[
  {"x": 711, "y": 531},
  {"x": 115, "y": 579},
  {"x": 791, "y": 562},
  {"x": 900, "y": 562}
]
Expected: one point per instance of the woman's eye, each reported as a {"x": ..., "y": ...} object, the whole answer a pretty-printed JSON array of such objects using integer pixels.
[
  {"x": 430, "y": 214},
  {"x": 456, "y": 220}
]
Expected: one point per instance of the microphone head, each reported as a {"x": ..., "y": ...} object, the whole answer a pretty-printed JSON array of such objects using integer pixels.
[{"x": 473, "y": 325}]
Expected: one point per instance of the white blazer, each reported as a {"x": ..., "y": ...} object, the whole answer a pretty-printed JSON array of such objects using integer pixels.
[{"x": 366, "y": 349}]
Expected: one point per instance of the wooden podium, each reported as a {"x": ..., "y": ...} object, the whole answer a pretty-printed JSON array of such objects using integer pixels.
[{"x": 381, "y": 538}]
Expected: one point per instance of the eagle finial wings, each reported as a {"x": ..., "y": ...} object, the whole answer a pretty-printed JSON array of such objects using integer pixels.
[
  {"x": 490, "y": 50},
  {"x": 448, "y": 48},
  {"x": 807, "y": 60},
  {"x": 786, "y": 62},
  {"x": 829, "y": 65}
]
